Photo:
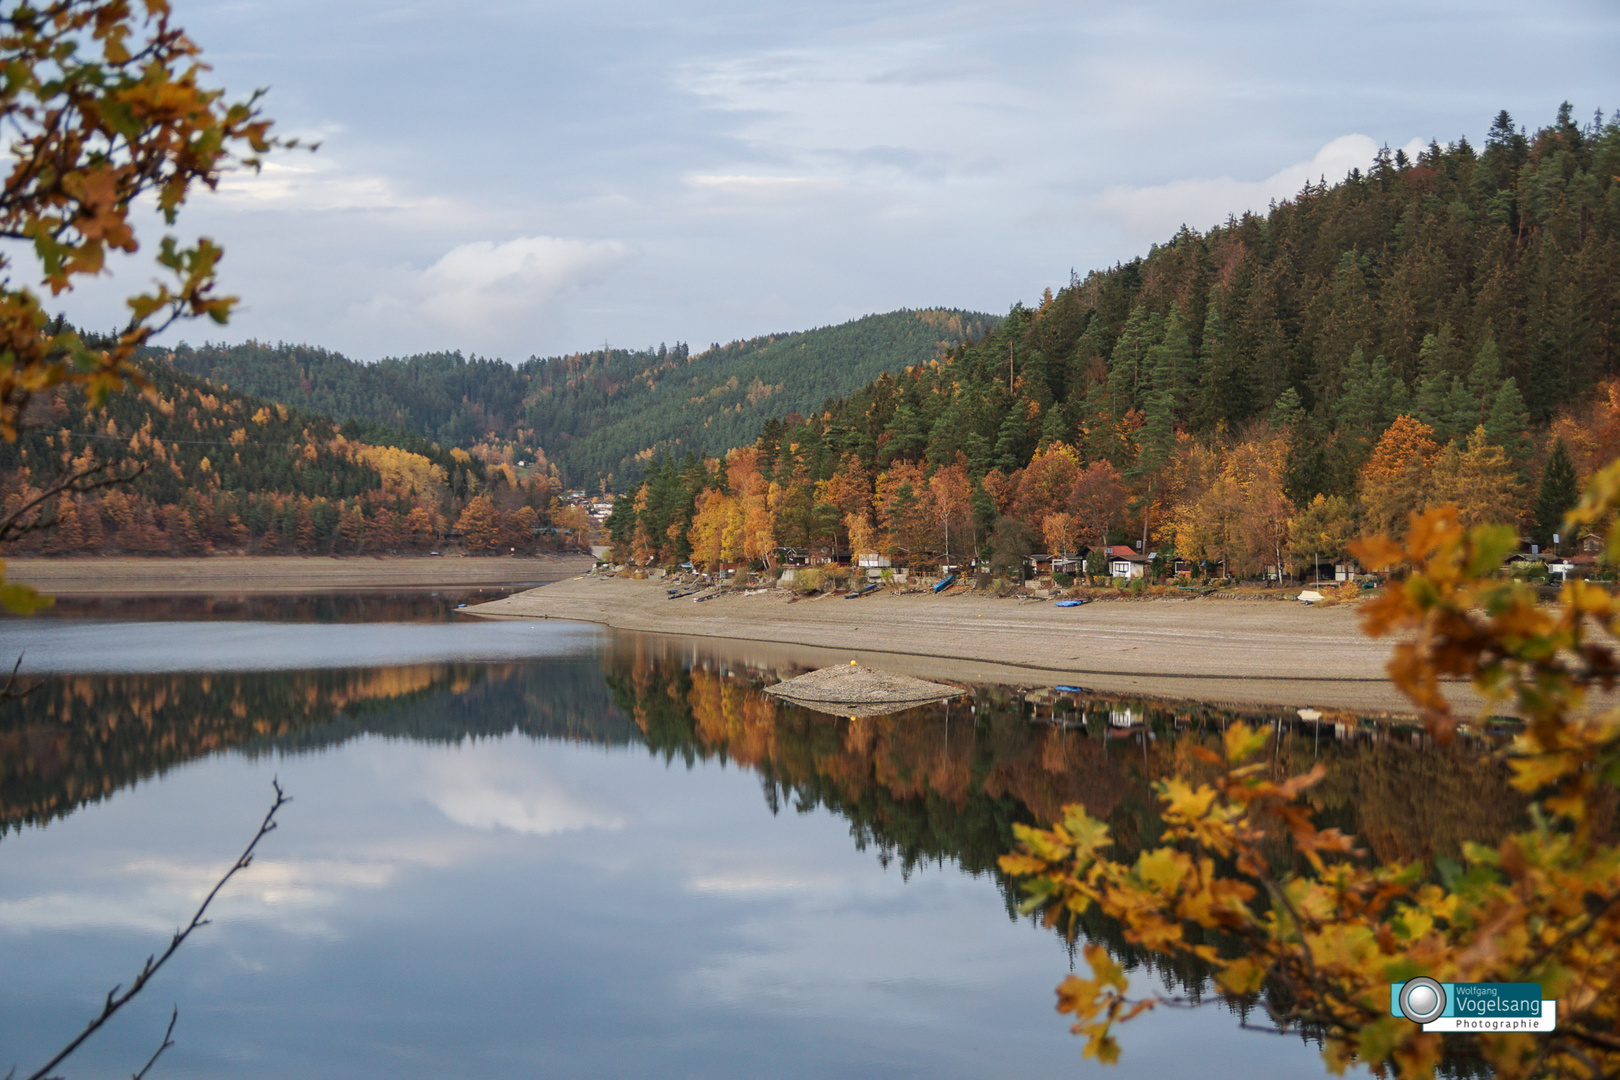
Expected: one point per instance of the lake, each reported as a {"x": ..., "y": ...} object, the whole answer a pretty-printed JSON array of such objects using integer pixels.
[{"x": 546, "y": 850}]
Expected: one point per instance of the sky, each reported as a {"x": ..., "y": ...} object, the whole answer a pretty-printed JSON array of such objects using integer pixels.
[{"x": 513, "y": 179}]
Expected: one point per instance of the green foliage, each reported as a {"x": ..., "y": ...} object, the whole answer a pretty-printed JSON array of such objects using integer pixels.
[{"x": 1558, "y": 494}]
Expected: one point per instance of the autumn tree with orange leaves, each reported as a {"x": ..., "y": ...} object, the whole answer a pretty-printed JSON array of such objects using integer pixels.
[
  {"x": 104, "y": 107},
  {"x": 1319, "y": 937},
  {"x": 1396, "y": 479}
]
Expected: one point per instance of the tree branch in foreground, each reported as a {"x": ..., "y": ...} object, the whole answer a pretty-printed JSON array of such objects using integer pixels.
[
  {"x": 85, "y": 478},
  {"x": 117, "y": 1000}
]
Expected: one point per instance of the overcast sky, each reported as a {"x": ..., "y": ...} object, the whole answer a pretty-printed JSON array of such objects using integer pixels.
[{"x": 515, "y": 179}]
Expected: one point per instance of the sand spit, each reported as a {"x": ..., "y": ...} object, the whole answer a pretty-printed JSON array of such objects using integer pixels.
[
  {"x": 1197, "y": 649},
  {"x": 852, "y": 690}
]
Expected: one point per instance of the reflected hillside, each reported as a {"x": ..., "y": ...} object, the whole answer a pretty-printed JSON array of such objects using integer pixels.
[
  {"x": 342, "y": 606},
  {"x": 78, "y": 739},
  {"x": 941, "y": 782}
]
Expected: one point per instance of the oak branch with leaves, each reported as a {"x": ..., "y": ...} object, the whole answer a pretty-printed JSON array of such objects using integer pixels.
[
  {"x": 105, "y": 108},
  {"x": 1325, "y": 936}
]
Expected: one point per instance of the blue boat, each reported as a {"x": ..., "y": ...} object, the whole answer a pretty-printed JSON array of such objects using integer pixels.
[{"x": 944, "y": 583}]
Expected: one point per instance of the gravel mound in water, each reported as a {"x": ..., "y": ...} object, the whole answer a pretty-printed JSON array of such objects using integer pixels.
[{"x": 852, "y": 690}]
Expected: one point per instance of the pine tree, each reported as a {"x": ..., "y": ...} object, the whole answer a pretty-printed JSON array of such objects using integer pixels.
[
  {"x": 1485, "y": 377},
  {"x": 1508, "y": 424},
  {"x": 1055, "y": 427},
  {"x": 1462, "y": 410},
  {"x": 1287, "y": 411},
  {"x": 1559, "y": 493},
  {"x": 1010, "y": 450},
  {"x": 1225, "y": 394},
  {"x": 1174, "y": 366}
]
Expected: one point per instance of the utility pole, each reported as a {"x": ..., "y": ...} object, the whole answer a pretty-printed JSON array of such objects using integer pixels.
[{"x": 1010, "y": 367}]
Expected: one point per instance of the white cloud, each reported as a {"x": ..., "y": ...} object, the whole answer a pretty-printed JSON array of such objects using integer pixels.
[
  {"x": 1154, "y": 212},
  {"x": 764, "y": 880},
  {"x": 484, "y": 286},
  {"x": 166, "y": 891},
  {"x": 480, "y": 789},
  {"x": 310, "y": 184}
]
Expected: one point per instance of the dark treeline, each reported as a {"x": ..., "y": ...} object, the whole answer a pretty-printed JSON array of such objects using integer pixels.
[{"x": 595, "y": 416}]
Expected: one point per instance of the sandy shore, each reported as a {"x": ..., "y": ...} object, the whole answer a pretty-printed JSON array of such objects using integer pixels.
[
  {"x": 282, "y": 573},
  {"x": 1243, "y": 652}
]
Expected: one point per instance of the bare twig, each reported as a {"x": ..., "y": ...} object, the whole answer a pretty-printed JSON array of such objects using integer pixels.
[
  {"x": 79, "y": 480},
  {"x": 11, "y": 681},
  {"x": 117, "y": 999},
  {"x": 162, "y": 1046}
]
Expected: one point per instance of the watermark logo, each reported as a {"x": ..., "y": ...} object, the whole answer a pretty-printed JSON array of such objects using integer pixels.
[{"x": 1442, "y": 1006}]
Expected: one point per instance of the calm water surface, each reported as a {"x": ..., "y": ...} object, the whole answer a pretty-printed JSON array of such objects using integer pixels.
[{"x": 541, "y": 850}]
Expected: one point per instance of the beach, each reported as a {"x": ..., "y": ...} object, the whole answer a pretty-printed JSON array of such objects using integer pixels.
[
  {"x": 282, "y": 574},
  {"x": 1243, "y": 652}
]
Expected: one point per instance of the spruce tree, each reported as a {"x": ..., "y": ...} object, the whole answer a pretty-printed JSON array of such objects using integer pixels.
[
  {"x": 1306, "y": 469},
  {"x": 1359, "y": 408},
  {"x": 1485, "y": 377},
  {"x": 1559, "y": 492},
  {"x": 1287, "y": 411},
  {"x": 1430, "y": 403},
  {"x": 1400, "y": 400},
  {"x": 1056, "y": 427},
  {"x": 1225, "y": 388},
  {"x": 1462, "y": 410},
  {"x": 1508, "y": 423},
  {"x": 1157, "y": 436},
  {"x": 1173, "y": 364},
  {"x": 1010, "y": 452}
]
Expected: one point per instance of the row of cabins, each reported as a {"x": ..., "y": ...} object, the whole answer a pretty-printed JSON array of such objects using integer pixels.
[{"x": 1127, "y": 563}]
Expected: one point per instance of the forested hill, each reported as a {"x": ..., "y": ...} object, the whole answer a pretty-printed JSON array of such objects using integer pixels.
[
  {"x": 1466, "y": 282},
  {"x": 224, "y": 471},
  {"x": 594, "y": 415},
  {"x": 1428, "y": 331}
]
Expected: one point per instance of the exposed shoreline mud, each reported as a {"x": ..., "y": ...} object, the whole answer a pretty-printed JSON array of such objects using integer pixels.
[{"x": 1205, "y": 650}]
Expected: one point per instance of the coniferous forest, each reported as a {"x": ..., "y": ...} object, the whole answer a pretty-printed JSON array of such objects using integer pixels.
[{"x": 1428, "y": 330}]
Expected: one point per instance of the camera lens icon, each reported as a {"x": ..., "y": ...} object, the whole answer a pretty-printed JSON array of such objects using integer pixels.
[{"x": 1422, "y": 1000}]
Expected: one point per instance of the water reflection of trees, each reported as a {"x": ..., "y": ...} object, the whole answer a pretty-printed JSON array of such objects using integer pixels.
[
  {"x": 937, "y": 784},
  {"x": 78, "y": 739},
  {"x": 947, "y": 782},
  {"x": 941, "y": 782},
  {"x": 347, "y": 606}
]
